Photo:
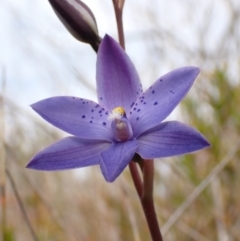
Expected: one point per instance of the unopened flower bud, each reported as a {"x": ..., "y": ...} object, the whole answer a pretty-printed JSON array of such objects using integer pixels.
[{"x": 78, "y": 19}]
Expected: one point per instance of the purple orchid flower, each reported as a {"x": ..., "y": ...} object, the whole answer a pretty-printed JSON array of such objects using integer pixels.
[{"x": 126, "y": 120}]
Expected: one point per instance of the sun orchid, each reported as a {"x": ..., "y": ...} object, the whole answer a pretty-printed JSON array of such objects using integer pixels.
[{"x": 124, "y": 122}]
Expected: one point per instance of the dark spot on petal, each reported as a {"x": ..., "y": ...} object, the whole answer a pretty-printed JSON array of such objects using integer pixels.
[
  {"x": 130, "y": 112},
  {"x": 90, "y": 121},
  {"x": 150, "y": 87},
  {"x": 73, "y": 98},
  {"x": 84, "y": 103},
  {"x": 134, "y": 108},
  {"x": 161, "y": 80},
  {"x": 104, "y": 123},
  {"x": 137, "y": 93},
  {"x": 138, "y": 110},
  {"x": 92, "y": 117},
  {"x": 102, "y": 108},
  {"x": 137, "y": 118},
  {"x": 100, "y": 115},
  {"x": 153, "y": 91},
  {"x": 155, "y": 103},
  {"x": 100, "y": 111},
  {"x": 96, "y": 106},
  {"x": 92, "y": 110},
  {"x": 141, "y": 101},
  {"x": 100, "y": 98},
  {"x": 83, "y": 116},
  {"x": 144, "y": 103}
]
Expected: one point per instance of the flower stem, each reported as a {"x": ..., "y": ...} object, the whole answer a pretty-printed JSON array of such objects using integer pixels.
[
  {"x": 136, "y": 178},
  {"x": 150, "y": 214},
  {"x": 144, "y": 187},
  {"x": 145, "y": 192},
  {"x": 147, "y": 200},
  {"x": 118, "y": 8}
]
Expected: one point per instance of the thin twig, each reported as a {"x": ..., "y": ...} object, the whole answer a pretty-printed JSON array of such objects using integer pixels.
[
  {"x": 198, "y": 190},
  {"x": 21, "y": 206}
]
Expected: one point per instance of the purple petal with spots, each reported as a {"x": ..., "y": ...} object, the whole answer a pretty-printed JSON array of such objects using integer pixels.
[
  {"x": 70, "y": 152},
  {"x": 118, "y": 82},
  {"x": 116, "y": 158},
  {"x": 79, "y": 117},
  {"x": 159, "y": 100},
  {"x": 170, "y": 139}
]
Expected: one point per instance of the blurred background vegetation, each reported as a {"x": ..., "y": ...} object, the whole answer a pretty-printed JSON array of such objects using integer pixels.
[{"x": 197, "y": 196}]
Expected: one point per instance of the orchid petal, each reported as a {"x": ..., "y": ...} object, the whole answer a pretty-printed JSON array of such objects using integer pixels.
[
  {"x": 116, "y": 158},
  {"x": 118, "y": 82},
  {"x": 80, "y": 117},
  {"x": 160, "y": 99},
  {"x": 170, "y": 139},
  {"x": 70, "y": 152}
]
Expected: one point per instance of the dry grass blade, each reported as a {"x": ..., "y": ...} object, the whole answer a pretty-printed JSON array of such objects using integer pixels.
[
  {"x": 219, "y": 210},
  {"x": 197, "y": 191},
  {"x": 191, "y": 232},
  {"x": 21, "y": 206},
  {"x": 2, "y": 158}
]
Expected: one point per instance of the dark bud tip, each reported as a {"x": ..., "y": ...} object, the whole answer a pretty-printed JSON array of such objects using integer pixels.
[{"x": 79, "y": 20}]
